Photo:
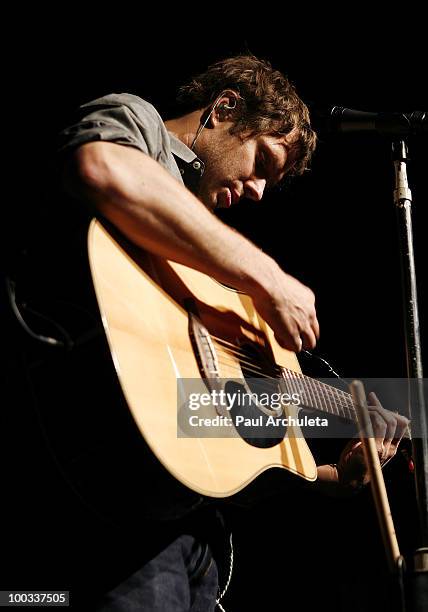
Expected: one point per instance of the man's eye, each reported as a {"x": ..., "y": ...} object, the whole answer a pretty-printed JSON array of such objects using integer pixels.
[
  {"x": 264, "y": 169},
  {"x": 262, "y": 162}
]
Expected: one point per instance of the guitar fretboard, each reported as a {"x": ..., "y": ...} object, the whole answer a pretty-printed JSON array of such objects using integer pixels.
[{"x": 320, "y": 396}]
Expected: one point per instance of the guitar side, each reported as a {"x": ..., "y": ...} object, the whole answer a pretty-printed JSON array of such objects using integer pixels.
[{"x": 142, "y": 303}]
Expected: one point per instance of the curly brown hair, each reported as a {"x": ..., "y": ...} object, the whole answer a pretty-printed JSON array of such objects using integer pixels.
[{"x": 268, "y": 102}]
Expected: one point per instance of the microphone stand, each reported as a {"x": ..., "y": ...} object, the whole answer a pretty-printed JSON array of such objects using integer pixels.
[{"x": 418, "y": 581}]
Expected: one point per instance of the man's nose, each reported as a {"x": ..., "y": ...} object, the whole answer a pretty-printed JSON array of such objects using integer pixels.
[{"x": 254, "y": 189}]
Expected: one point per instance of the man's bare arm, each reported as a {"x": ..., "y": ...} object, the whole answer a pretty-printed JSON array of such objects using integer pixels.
[{"x": 153, "y": 210}]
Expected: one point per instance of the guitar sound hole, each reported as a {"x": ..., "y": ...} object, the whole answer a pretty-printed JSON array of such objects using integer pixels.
[
  {"x": 260, "y": 380},
  {"x": 259, "y": 373}
]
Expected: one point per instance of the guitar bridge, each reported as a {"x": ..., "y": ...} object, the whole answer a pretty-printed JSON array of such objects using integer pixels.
[{"x": 204, "y": 352}]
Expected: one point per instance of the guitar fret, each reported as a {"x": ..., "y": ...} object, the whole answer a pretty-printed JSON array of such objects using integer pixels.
[
  {"x": 341, "y": 399},
  {"x": 335, "y": 399},
  {"x": 321, "y": 392},
  {"x": 316, "y": 395},
  {"x": 313, "y": 388},
  {"x": 339, "y": 409},
  {"x": 312, "y": 392},
  {"x": 290, "y": 380},
  {"x": 321, "y": 396}
]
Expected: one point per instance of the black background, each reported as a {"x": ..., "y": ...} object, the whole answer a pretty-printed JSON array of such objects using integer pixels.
[{"x": 334, "y": 229}]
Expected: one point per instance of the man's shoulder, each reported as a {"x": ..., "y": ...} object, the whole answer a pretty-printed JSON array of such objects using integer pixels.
[{"x": 136, "y": 104}]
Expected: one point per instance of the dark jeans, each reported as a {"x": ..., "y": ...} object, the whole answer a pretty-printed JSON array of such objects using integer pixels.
[{"x": 181, "y": 578}]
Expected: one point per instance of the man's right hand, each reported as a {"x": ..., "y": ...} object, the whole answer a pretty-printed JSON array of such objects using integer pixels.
[{"x": 288, "y": 307}]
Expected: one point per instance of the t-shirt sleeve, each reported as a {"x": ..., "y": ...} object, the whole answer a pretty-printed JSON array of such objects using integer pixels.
[{"x": 120, "y": 118}]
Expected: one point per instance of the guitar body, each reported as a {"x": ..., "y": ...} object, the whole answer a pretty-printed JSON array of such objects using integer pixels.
[{"x": 144, "y": 303}]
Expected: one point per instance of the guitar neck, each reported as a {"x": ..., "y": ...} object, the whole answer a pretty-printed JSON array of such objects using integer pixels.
[{"x": 320, "y": 396}]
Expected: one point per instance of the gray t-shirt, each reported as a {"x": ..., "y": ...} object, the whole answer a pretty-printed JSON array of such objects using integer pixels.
[{"x": 129, "y": 120}]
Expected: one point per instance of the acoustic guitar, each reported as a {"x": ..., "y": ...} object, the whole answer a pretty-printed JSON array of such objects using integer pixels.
[{"x": 167, "y": 324}]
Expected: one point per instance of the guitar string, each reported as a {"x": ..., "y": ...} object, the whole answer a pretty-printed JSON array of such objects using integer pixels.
[
  {"x": 331, "y": 404},
  {"x": 253, "y": 366},
  {"x": 241, "y": 352},
  {"x": 297, "y": 375},
  {"x": 321, "y": 392},
  {"x": 321, "y": 386},
  {"x": 327, "y": 394},
  {"x": 232, "y": 347},
  {"x": 314, "y": 387}
]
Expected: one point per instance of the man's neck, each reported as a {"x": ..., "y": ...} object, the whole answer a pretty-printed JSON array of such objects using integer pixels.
[{"x": 184, "y": 128}]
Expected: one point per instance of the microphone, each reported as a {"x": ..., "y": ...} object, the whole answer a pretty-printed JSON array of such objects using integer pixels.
[{"x": 338, "y": 119}]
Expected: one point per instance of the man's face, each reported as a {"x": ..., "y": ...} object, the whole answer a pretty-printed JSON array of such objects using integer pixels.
[{"x": 238, "y": 168}]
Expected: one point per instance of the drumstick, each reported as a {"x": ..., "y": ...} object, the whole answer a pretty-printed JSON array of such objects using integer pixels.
[{"x": 375, "y": 471}]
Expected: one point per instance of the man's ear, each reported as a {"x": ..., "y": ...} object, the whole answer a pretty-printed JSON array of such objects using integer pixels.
[{"x": 222, "y": 109}]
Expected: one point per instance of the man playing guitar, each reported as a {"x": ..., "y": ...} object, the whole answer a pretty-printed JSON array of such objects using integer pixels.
[{"x": 242, "y": 130}]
